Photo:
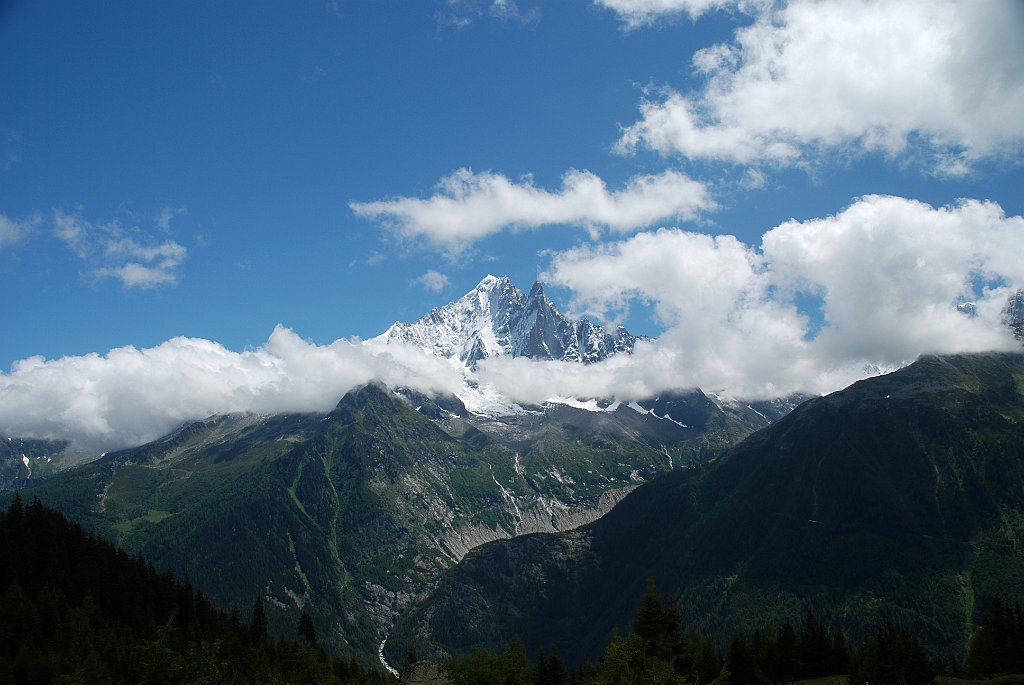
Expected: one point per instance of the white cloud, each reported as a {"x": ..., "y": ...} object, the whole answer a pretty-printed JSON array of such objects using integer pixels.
[
  {"x": 130, "y": 396},
  {"x": 13, "y": 232},
  {"x": 434, "y": 281},
  {"x": 508, "y": 10},
  {"x": 72, "y": 230},
  {"x": 461, "y": 13},
  {"x": 115, "y": 251},
  {"x": 166, "y": 215},
  {"x": 889, "y": 272},
  {"x": 470, "y": 206},
  {"x": 941, "y": 76},
  {"x": 638, "y": 13}
]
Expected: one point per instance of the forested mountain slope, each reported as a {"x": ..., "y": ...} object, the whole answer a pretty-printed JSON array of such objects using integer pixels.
[{"x": 900, "y": 497}]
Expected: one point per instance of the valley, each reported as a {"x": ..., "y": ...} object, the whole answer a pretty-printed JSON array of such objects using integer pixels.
[{"x": 401, "y": 517}]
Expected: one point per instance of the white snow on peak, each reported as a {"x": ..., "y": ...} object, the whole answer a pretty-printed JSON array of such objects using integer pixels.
[
  {"x": 496, "y": 318},
  {"x": 467, "y": 330},
  {"x": 588, "y": 405}
]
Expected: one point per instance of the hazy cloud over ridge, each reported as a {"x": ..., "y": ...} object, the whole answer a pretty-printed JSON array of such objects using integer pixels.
[{"x": 130, "y": 395}]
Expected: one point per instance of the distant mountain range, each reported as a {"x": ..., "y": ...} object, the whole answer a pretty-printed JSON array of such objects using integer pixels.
[
  {"x": 22, "y": 459},
  {"x": 354, "y": 514},
  {"x": 382, "y": 510}
]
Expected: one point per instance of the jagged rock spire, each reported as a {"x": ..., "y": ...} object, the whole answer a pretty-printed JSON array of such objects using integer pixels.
[{"x": 495, "y": 318}]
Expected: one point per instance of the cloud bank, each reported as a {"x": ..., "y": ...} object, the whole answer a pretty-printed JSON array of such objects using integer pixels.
[
  {"x": 888, "y": 273},
  {"x": 938, "y": 76},
  {"x": 471, "y": 206},
  {"x": 130, "y": 396},
  {"x": 815, "y": 306}
]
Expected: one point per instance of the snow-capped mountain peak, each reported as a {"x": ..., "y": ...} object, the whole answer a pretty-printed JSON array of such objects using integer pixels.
[{"x": 495, "y": 318}]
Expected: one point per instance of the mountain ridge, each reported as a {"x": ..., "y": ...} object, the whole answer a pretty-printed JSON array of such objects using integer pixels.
[
  {"x": 899, "y": 498},
  {"x": 496, "y": 318},
  {"x": 353, "y": 513}
]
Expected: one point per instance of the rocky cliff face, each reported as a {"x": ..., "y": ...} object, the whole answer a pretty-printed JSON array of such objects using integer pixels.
[{"x": 1013, "y": 314}]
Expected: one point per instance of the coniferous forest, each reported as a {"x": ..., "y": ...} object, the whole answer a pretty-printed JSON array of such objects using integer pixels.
[
  {"x": 75, "y": 609},
  {"x": 659, "y": 650}
]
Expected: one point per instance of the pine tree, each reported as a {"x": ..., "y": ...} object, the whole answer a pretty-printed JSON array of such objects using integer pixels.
[
  {"x": 815, "y": 647},
  {"x": 997, "y": 647},
  {"x": 615, "y": 668},
  {"x": 515, "y": 664},
  {"x": 306, "y": 631},
  {"x": 892, "y": 656},
  {"x": 556, "y": 674},
  {"x": 840, "y": 654},
  {"x": 739, "y": 661},
  {"x": 787, "y": 664},
  {"x": 549, "y": 669},
  {"x": 764, "y": 648},
  {"x": 540, "y": 669},
  {"x": 708, "y": 662},
  {"x": 656, "y": 626},
  {"x": 17, "y": 509},
  {"x": 258, "y": 626}
]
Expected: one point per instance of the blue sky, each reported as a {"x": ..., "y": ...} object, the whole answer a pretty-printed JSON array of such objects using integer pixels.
[
  {"x": 263, "y": 121},
  {"x": 212, "y": 170}
]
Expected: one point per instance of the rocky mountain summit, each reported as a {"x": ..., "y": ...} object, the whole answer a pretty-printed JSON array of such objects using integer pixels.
[
  {"x": 496, "y": 318},
  {"x": 1013, "y": 314}
]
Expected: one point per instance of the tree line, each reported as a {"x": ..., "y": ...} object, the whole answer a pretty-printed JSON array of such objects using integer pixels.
[
  {"x": 76, "y": 609},
  {"x": 659, "y": 650}
]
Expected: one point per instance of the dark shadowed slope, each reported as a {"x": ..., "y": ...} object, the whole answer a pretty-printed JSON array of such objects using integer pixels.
[{"x": 901, "y": 497}]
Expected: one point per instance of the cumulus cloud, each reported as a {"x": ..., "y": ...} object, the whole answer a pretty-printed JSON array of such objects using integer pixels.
[
  {"x": 434, "y": 281},
  {"x": 470, "y": 206},
  {"x": 638, "y": 13},
  {"x": 888, "y": 272},
  {"x": 938, "y": 76},
  {"x": 130, "y": 396},
  {"x": 128, "y": 254},
  {"x": 13, "y": 232}
]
